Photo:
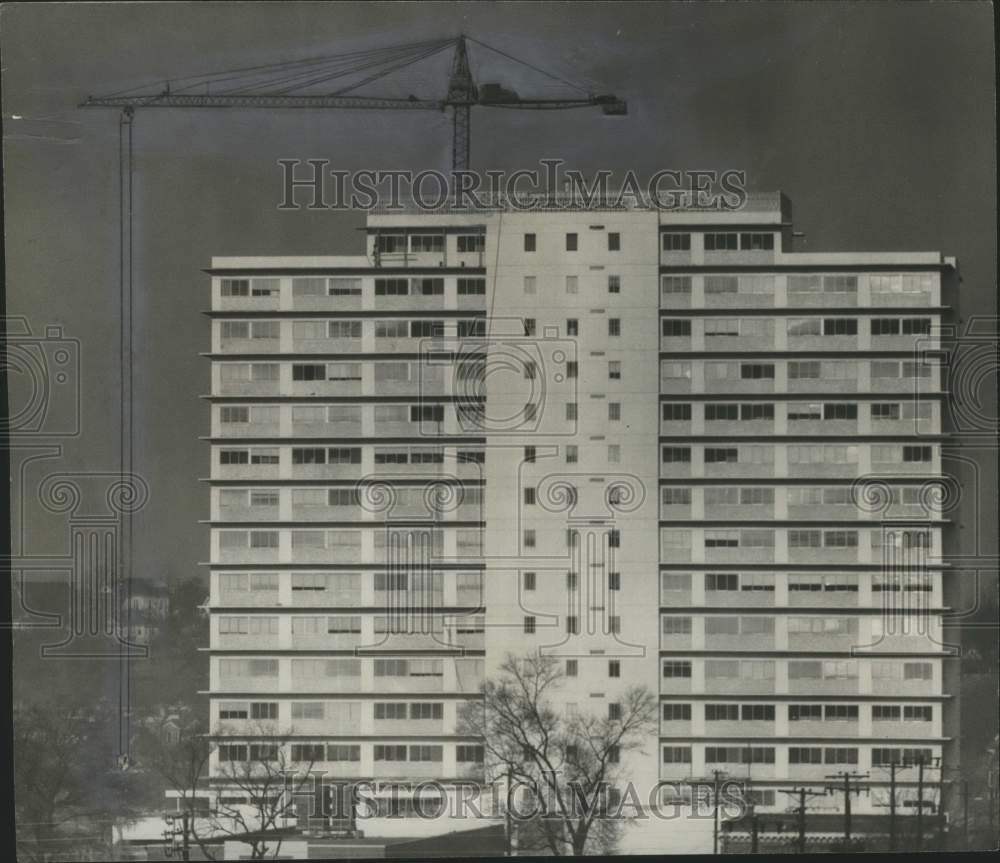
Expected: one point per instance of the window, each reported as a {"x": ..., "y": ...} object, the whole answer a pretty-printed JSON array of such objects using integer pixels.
[
  {"x": 840, "y": 411},
  {"x": 572, "y": 284},
  {"x": 805, "y": 712},
  {"x": 530, "y": 284},
  {"x": 236, "y": 287},
  {"x": 614, "y": 411},
  {"x": 840, "y": 326},
  {"x": 572, "y": 624},
  {"x": 757, "y": 712},
  {"x": 528, "y": 580},
  {"x": 572, "y": 454},
  {"x": 466, "y": 753},
  {"x": 572, "y": 327},
  {"x": 885, "y": 326},
  {"x": 676, "y": 712},
  {"x": 614, "y": 326},
  {"x": 529, "y": 455},
  {"x": 670, "y": 285},
  {"x": 392, "y": 288},
  {"x": 721, "y": 412},
  {"x": 721, "y": 242},
  {"x": 722, "y": 712},
  {"x": 675, "y": 625},
  {"x": 751, "y": 412},
  {"x": 614, "y": 284},
  {"x": 572, "y": 667},
  {"x": 614, "y": 581},
  {"x": 722, "y": 581},
  {"x": 756, "y": 242},
  {"x": 614, "y": 668},
  {"x": 756, "y": 371},
  {"x": 426, "y": 243},
  {"x": 471, "y": 242},
  {"x": 840, "y": 755},
  {"x": 614, "y": 370},
  {"x": 676, "y": 412},
  {"x": 673, "y": 328},
  {"x": 529, "y": 326},
  {"x": 840, "y": 713},
  {"x": 677, "y": 243},
  {"x": 529, "y": 625},
  {"x": 571, "y": 242},
  {"x": 805, "y": 755},
  {"x": 529, "y": 538},
  {"x": 676, "y": 754},
  {"x": 572, "y": 369},
  {"x": 917, "y": 454},
  {"x": 471, "y": 287},
  {"x": 530, "y": 242},
  {"x": 677, "y": 668},
  {"x": 614, "y": 242},
  {"x": 676, "y": 455}
]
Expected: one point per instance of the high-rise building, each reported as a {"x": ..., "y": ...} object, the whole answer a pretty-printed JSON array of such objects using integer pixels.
[{"x": 659, "y": 445}]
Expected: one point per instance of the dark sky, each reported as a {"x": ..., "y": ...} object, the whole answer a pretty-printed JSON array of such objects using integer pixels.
[{"x": 876, "y": 119}]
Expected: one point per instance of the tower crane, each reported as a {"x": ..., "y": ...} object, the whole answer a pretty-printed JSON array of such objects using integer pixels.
[
  {"x": 319, "y": 83},
  {"x": 326, "y": 82}
]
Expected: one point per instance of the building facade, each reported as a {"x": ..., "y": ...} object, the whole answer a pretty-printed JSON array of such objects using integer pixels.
[{"x": 659, "y": 445}]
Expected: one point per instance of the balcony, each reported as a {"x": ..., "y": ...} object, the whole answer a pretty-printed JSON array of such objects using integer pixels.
[
  {"x": 248, "y": 598},
  {"x": 249, "y": 388},
  {"x": 243, "y": 641},
  {"x": 823, "y": 686},
  {"x": 409, "y": 684},
  {"x": 326, "y": 684},
  {"x": 739, "y": 598},
  {"x": 248, "y": 513},
  {"x": 345, "y": 387},
  {"x": 738, "y": 686},
  {"x": 822, "y": 729},
  {"x": 249, "y": 346},
  {"x": 740, "y": 728},
  {"x": 326, "y": 471},
  {"x": 822, "y": 555},
  {"x": 408, "y": 727},
  {"x": 248, "y": 304},
  {"x": 246, "y": 430},
  {"x": 245, "y": 554},
  {"x": 326, "y": 346},
  {"x": 327, "y": 429}
]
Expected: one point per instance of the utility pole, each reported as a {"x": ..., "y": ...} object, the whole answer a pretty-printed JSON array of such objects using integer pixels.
[
  {"x": 801, "y": 793},
  {"x": 965, "y": 813},
  {"x": 920, "y": 804},
  {"x": 847, "y": 776},
  {"x": 716, "y": 776}
]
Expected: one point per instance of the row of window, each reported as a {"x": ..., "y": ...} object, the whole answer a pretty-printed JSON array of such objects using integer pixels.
[
  {"x": 349, "y": 583},
  {"x": 880, "y": 756},
  {"x": 806, "y": 582},
  {"x": 800, "y": 454},
  {"x": 843, "y": 286},
  {"x": 764, "y": 327},
  {"x": 806, "y": 669},
  {"x": 719, "y": 242},
  {"x": 681, "y": 712},
  {"x": 417, "y": 243},
  {"x": 348, "y": 455},
  {"x": 572, "y": 242},
  {"x": 303, "y": 625},
  {"x": 798, "y": 370},
  {"x": 332, "y": 668},
  {"x": 834, "y": 495},
  {"x": 309, "y": 753},
  {"x": 797, "y": 411},
  {"x": 796, "y": 538}
]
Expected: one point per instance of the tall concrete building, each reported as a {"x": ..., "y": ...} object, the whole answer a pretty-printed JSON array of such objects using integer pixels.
[{"x": 659, "y": 445}]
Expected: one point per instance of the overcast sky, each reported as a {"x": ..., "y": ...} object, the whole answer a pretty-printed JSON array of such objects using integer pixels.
[{"x": 876, "y": 119}]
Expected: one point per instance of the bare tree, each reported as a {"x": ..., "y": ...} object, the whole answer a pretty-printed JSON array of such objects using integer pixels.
[
  {"x": 183, "y": 765},
  {"x": 568, "y": 765},
  {"x": 267, "y": 775}
]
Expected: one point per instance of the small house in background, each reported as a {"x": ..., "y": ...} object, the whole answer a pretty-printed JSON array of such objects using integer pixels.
[{"x": 144, "y": 607}]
